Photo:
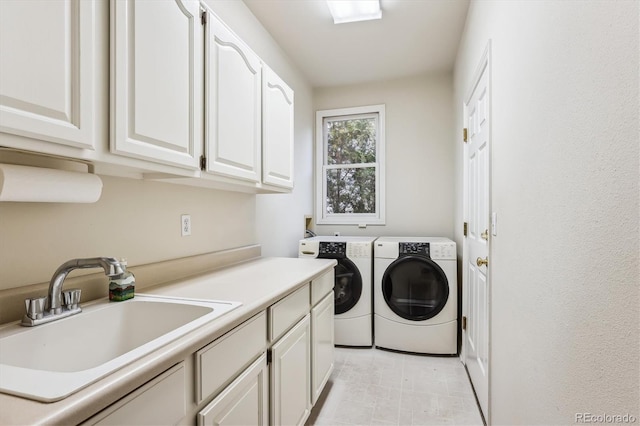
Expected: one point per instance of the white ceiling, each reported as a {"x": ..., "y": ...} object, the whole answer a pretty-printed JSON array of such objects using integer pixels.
[{"x": 413, "y": 37}]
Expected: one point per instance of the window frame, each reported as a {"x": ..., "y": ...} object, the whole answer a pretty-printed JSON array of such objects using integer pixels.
[{"x": 321, "y": 167}]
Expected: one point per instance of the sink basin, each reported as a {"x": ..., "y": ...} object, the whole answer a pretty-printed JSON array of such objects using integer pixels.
[{"x": 51, "y": 361}]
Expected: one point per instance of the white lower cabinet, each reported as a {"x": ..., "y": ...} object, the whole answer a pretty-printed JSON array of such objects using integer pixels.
[
  {"x": 161, "y": 401},
  {"x": 291, "y": 376},
  {"x": 322, "y": 344},
  {"x": 243, "y": 402}
]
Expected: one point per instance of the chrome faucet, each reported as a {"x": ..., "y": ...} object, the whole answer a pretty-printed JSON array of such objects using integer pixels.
[{"x": 58, "y": 304}]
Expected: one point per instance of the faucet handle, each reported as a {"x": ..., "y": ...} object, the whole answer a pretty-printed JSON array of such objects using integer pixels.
[
  {"x": 71, "y": 298},
  {"x": 35, "y": 307}
]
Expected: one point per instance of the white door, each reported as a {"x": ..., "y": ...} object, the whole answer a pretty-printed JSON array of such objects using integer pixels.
[
  {"x": 47, "y": 70},
  {"x": 291, "y": 376},
  {"x": 233, "y": 102},
  {"x": 477, "y": 162},
  {"x": 156, "y": 75},
  {"x": 277, "y": 130}
]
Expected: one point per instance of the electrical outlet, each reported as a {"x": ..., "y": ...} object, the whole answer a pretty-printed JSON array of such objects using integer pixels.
[{"x": 185, "y": 224}]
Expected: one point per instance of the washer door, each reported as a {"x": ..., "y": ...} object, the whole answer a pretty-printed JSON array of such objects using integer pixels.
[
  {"x": 348, "y": 286},
  {"x": 415, "y": 288}
]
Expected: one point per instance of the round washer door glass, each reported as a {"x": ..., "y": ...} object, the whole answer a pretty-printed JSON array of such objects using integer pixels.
[
  {"x": 348, "y": 286},
  {"x": 415, "y": 288}
]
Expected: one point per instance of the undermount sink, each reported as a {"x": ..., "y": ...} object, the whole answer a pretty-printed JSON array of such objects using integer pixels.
[{"x": 51, "y": 361}]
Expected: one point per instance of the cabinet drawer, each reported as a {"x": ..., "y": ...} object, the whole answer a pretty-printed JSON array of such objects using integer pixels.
[
  {"x": 284, "y": 314},
  {"x": 162, "y": 401},
  {"x": 321, "y": 286},
  {"x": 220, "y": 361}
]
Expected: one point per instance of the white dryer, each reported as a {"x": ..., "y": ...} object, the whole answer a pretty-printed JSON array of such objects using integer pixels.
[
  {"x": 353, "y": 319},
  {"x": 415, "y": 293}
]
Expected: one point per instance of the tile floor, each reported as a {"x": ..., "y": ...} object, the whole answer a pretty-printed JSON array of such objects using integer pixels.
[{"x": 378, "y": 387}]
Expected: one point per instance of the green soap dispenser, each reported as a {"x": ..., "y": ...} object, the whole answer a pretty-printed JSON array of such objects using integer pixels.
[{"x": 122, "y": 287}]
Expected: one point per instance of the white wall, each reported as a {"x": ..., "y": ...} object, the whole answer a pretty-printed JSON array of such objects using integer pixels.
[
  {"x": 135, "y": 219},
  {"x": 419, "y": 152},
  {"x": 564, "y": 265},
  {"x": 279, "y": 218}
]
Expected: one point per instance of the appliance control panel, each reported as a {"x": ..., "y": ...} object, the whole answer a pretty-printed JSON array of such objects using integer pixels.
[
  {"x": 359, "y": 249},
  {"x": 434, "y": 250},
  {"x": 332, "y": 248},
  {"x": 443, "y": 250},
  {"x": 414, "y": 249}
]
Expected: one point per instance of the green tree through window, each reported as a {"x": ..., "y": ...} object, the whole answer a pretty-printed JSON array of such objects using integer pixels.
[{"x": 353, "y": 142}]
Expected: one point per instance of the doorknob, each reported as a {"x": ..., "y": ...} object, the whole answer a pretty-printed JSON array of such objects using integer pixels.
[
  {"x": 480, "y": 261},
  {"x": 485, "y": 235}
]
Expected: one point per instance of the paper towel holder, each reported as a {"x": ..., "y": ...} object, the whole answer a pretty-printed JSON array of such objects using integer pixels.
[
  {"x": 27, "y": 177},
  {"x": 50, "y": 161}
]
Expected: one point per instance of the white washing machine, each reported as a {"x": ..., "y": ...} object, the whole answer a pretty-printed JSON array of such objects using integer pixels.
[
  {"x": 353, "y": 320},
  {"x": 416, "y": 294}
]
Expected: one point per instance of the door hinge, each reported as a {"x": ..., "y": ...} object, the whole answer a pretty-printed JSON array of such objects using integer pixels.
[
  {"x": 464, "y": 323},
  {"x": 465, "y": 228},
  {"x": 203, "y": 162},
  {"x": 464, "y": 134},
  {"x": 203, "y": 17},
  {"x": 269, "y": 356}
]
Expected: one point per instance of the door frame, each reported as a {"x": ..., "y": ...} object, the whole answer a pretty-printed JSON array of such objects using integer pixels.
[{"x": 484, "y": 65}]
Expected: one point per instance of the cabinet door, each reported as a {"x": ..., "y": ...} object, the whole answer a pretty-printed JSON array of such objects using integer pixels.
[
  {"x": 162, "y": 401},
  {"x": 244, "y": 402},
  {"x": 47, "y": 74},
  {"x": 233, "y": 104},
  {"x": 156, "y": 75},
  {"x": 277, "y": 130},
  {"x": 291, "y": 376},
  {"x": 322, "y": 345}
]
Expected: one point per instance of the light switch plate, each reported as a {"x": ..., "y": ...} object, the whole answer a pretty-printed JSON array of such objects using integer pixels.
[{"x": 494, "y": 224}]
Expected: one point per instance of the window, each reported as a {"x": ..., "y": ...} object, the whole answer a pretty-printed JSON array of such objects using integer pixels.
[{"x": 350, "y": 166}]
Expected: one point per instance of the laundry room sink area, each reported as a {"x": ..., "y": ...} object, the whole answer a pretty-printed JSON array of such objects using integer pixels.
[{"x": 51, "y": 361}]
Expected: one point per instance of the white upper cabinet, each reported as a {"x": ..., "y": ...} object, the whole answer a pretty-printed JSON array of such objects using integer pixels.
[
  {"x": 180, "y": 83},
  {"x": 277, "y": 130},
  {"x": 156, "y": 81},
  {"x": 47, "y": 60},
  {"x": 232, "y": 104}
]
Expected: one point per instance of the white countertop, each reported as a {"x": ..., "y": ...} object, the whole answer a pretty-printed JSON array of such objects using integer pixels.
[{"x": 256, "y": 283}]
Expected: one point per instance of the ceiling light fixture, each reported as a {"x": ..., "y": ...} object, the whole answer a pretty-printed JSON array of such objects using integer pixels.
[{"x": 344, "y": 11}]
